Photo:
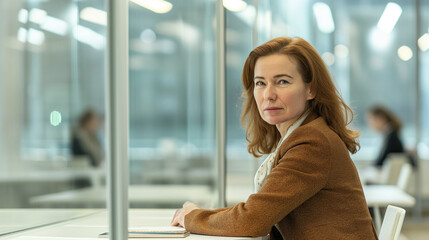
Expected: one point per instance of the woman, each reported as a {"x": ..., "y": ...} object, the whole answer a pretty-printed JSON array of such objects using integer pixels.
[
  {"x": 308, "y": 187},
  {"x": 84, "y": 140},
  {"x": 383, "y": 121}
]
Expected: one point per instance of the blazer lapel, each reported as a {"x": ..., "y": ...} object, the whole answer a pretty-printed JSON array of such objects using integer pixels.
[{"x": 282, "y": 150}]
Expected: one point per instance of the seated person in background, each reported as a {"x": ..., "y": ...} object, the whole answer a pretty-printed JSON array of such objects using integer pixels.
[
  {"x": 308, "y": 186},
  {"x": 382, "y": 120},
  {"x": 84, "y": 141}
]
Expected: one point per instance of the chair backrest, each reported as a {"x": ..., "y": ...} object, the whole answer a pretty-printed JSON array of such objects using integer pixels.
[
  {"x": 392, "y": 223},
  {"x": 404, "y": 176},
  {"x": 392, "y": 167}
]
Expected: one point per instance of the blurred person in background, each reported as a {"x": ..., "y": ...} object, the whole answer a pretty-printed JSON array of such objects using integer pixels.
[
  {"x": 385, "y": 122},
  {"x": 84, "y": 140}
]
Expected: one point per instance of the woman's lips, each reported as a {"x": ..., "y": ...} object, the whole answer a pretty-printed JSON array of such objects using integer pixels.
[{"x": 272, "y": 109}]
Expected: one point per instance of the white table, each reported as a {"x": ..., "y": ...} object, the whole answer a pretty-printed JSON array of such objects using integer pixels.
[
  {"x": 140, "y": 196},
  {"x": 48, "y": 176},
  {"x": 88, "y": 228},
  {"x": 14, "y": 220},
  {"x": 382, "y": 195}
]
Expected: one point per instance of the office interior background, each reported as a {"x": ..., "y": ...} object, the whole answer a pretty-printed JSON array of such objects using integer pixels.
[{"x": 52, "y": 68}]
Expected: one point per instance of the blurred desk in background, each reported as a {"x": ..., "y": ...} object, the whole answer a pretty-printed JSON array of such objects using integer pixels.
[
  {"x": 49, "y": 175},
  {"x": 383, "y": 195},
  {"x": 140, "y": 196},
  {"x": 88, "y": 228},
  {"x": 17, "y": 187}
]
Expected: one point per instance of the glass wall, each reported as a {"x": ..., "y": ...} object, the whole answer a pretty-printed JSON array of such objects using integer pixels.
[
  {"x": 172, "y": 103},
  {"x": 52, "y": 106}
]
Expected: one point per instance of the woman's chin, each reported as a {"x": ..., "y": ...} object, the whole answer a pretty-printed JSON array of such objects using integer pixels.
[{"x": 272, "y": 121}]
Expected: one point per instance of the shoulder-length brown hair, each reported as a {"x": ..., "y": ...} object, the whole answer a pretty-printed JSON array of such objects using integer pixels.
[{"x": 263, "y": 137}]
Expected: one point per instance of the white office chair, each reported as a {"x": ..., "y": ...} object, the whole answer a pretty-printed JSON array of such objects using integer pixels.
[
  {"x": 391, "y": 168},
  {"x": 404, "y": 176},
  {"x": 392, "y": 223}
]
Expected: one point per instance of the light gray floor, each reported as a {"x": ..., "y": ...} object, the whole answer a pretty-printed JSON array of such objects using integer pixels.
[{"x": 415, "y": 229}]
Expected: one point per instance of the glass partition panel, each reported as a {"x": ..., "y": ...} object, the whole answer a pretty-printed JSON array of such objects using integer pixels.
[
  {"x": 172, "y": 104},
  {"x": 374, "y": 66},
  {"x": 51, "y": 104},
  {"x": 239, "y": 42}
]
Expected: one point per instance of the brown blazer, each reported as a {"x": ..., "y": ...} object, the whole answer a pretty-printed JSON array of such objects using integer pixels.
[{"x": 313, "y": 192}]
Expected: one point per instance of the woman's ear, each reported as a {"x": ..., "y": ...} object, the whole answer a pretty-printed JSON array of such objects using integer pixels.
[{"x": 310, "y": 93}]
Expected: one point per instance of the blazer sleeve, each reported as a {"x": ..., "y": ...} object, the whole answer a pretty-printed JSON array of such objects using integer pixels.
[{"x": 301, "y": 172}]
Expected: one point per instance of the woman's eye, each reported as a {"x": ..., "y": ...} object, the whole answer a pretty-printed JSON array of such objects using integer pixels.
[
  {"x": 283, "y": 82},
  {"x": 259, "y": 83}
]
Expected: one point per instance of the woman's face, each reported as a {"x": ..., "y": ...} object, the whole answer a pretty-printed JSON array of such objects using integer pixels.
[
  {"x": 92, "y": 124},
  {"x": 377, "y": 123},
  {"x": 279, "y": 90}
]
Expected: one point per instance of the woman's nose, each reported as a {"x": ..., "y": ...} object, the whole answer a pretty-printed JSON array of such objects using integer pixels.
[{"x": 270, "y": 94}]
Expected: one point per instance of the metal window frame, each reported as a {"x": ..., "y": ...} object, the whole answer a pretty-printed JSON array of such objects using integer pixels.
[
  {"x": 117, "y": 111},
  {"x": 220, "y": 103}
]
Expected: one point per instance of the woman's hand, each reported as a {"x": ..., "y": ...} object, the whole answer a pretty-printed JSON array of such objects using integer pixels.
[{"x": 179, "y": 216}]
